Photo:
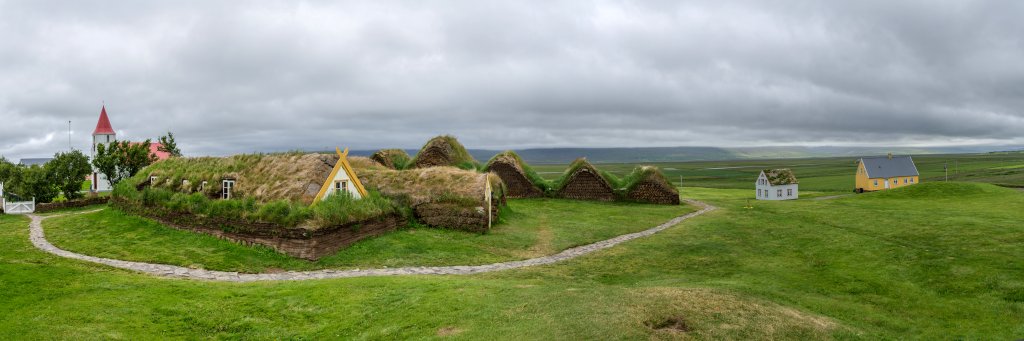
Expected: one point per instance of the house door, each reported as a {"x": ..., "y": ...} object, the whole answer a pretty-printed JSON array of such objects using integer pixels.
[{"x": 886, "y": 183}]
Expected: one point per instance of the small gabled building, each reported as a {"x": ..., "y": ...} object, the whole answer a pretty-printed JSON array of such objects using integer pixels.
[
  {"x": 885, "y": 172},
  {"x": 777, "y": 184}
]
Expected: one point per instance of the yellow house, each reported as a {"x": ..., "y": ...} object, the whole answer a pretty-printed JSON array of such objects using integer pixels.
[{"x": 885, "y": 172}]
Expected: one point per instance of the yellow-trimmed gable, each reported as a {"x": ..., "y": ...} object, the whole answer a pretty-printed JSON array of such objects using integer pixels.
[{"x": 341, "y": 166}]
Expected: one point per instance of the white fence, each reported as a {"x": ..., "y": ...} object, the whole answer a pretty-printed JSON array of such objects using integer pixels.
[{"x": 16, "y": 207}]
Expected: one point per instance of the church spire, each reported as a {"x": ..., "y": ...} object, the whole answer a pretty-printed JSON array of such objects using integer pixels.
[{"x": 103, "y": 126}]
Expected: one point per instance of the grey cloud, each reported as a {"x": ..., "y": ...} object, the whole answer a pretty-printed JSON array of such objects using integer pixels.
[{"x": 231, "y": 77}]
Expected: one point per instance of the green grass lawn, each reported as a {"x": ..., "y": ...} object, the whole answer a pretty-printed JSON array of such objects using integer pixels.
[
  {"x": 835, "y": 174},
  {"x": 529, "y": 228},
  {"x": 930, "y": 261}
]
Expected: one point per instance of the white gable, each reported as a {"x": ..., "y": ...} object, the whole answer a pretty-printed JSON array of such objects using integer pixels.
[{"x": 341, "y": 182}]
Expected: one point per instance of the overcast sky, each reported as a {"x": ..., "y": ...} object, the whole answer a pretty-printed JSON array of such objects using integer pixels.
[{"x": 267, "y": 76}]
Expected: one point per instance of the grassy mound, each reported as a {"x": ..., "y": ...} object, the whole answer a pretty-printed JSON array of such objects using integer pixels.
[
  {"x": 392, "y": 158},
  {"x": 444, "y": 151},
  {"x": 584, "y": 182},
  {"x": 519, "y": 177},
  {"x": 648, "y": 185},
  {"x": 574, "y": 167}
]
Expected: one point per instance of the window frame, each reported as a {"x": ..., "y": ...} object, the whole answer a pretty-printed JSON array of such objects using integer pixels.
[{"x": 226, "y": 187}]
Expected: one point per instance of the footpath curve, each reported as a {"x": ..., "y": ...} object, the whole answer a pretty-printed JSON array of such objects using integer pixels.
[{"x": 38, "y": 238}]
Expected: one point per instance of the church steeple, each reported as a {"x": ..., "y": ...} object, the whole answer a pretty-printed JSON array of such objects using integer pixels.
[{"x": 103, "y": 127}]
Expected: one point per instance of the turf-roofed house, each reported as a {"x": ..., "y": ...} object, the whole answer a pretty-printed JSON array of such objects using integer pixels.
[
  {"x": 521, "y": 180},
  {"x": 392, "y": 158},
  {"x": 584, "y": 182},
  {"x": 646, "y": 184},
  {"x": 444, "y": 150},
  {"x": 304, "y": 205},
  {"x": 777, "y": 184},
  {"x": 885, "y": 172}
]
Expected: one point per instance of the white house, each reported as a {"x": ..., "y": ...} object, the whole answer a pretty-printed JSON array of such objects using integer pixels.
[{"x": 777, "y": 184}]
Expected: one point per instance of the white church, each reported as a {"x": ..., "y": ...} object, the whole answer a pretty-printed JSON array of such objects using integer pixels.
[{"x": 104, "y": 134}]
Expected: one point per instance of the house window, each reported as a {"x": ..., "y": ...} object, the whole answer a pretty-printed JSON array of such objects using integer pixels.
[
  {"x": 778, "y": 192},
  {"x": 226, "y": 187},
  {"x": 340, "y": 186},
  {"x": 876, "y": 183},
  {"x": 202, "y": 186},
  {"x": 905, "y": 181},
  {"x": 758, "y": 193},
  {"x": 911, "y": 180},
  {"x": 789, "y": 192},
  {"x": 184, "y": 184},
  {"x": 152, "y": 180}
]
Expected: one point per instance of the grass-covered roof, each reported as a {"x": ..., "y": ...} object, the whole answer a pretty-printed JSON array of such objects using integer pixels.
[
  {"x": 574, "y": 167},
  {"x": 781, "y": 176},
  {"x": 392, "y": 158},
  {"x": 263, "y": 177},
  {"x": 444, "y": 150},
  {"x": 511, "y": 158}
]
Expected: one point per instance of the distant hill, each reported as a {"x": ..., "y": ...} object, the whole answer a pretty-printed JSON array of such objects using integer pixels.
[{"x": 675, "y": 154}]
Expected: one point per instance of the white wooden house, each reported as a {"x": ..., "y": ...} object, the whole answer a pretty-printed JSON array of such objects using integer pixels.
[{"x": 777, "y": 184}]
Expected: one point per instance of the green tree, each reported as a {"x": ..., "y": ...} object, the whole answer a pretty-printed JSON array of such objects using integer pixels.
[
  {"x": 120, "y": 160},
  {"x": 32, "y": 182},
  {"x": 68, "y": 170},
  {"x": 7, "y": 169},
  {"x": 168, "y": 145}
]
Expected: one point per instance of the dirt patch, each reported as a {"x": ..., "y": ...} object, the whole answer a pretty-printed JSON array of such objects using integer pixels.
[
  {"x": 672, "y": 324},
  {"x": 670, "y": 313},
  {"x": 449, "y": 331}
]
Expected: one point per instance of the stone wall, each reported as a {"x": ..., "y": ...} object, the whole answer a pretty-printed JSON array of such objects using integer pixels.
[
  {"x": 42, "y": 208},
  {"x": 653, "y": 193},
  {"x": 293, "y": 241},
  {"x": 586, "y": 185}
]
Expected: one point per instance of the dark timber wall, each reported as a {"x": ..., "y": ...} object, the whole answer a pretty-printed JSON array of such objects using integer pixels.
[
  {"x": 516, "y": 182},
  {"x": 587, "y": 185}
]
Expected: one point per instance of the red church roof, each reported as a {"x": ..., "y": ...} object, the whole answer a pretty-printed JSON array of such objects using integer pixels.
[{"x": 103, "y": 126}]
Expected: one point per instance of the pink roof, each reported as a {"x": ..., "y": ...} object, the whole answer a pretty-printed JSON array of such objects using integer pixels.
[
  {"x": 103, "y": 126},
  {"x": 154, "y": 148}
]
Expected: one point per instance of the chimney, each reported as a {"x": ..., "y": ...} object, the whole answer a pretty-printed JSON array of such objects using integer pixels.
[{"x": 890, "y": 156}]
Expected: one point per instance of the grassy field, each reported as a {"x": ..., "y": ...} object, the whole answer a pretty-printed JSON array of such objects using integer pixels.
[
  {"x": 529, "y": 228},
  {"x": 826, "y": 174},
  {"x": 931, "y": 261}
]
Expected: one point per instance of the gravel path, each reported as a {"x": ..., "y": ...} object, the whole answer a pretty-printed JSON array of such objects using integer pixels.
[{"x": 38, "y": 239}]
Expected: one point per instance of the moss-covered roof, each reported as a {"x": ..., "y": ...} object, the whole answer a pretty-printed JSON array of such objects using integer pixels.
[
  {"x": 575, "y": 166},
  {"x": 510, "y": 157},
  {"x": 781, "y": 176},
  {"x": 262, "y": 177},
  {"x": 448, "y": 146},
  {"x": 641, "y": 174},
  {"x": 392, "y": 158}
]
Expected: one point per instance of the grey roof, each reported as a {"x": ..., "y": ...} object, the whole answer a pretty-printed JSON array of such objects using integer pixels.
[
  {"x": 884, "y": 167},
  {"x": 35, "y": 161}
]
